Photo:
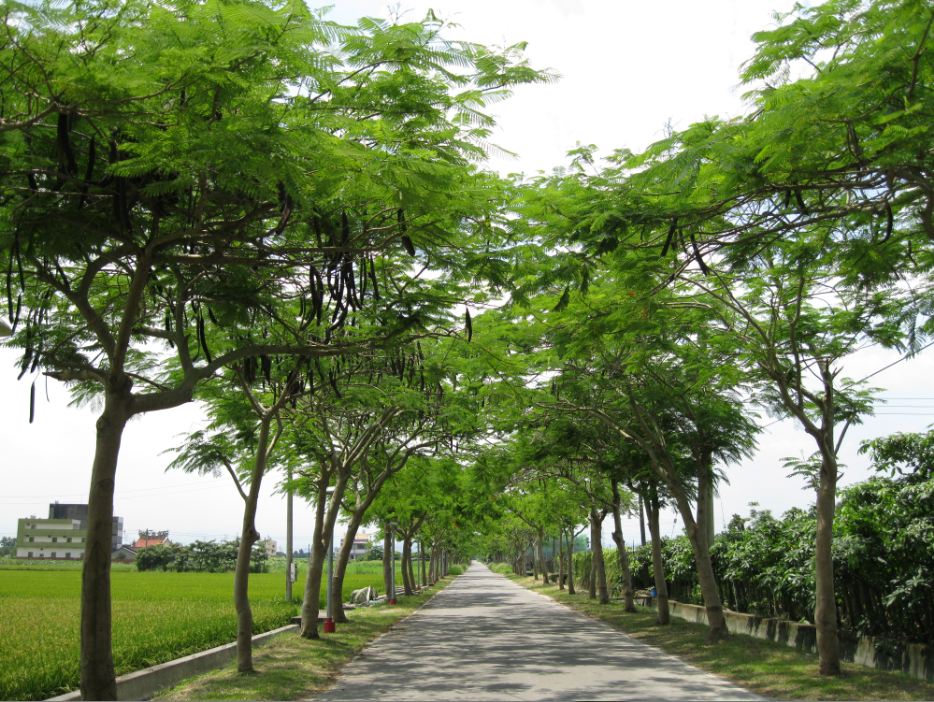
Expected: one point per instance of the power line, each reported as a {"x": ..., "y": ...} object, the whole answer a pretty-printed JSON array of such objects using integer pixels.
[{"x": 873, "y": 374}]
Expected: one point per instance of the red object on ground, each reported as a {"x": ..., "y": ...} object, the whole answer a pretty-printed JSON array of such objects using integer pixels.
[
  {"x": 392, "y": 601},
  {"x": 329, "y": 627}
]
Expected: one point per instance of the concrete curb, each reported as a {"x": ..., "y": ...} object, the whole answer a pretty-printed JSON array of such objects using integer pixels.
[{"x": 143, "y": 684}]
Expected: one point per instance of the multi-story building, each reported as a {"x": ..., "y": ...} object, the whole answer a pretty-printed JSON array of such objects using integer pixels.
[
  {"x": 50, "y": 538},
  {"x": 63, "y": 535},
  {"x": 361, "y": 544},
  {"x": 80, "y": 512}
]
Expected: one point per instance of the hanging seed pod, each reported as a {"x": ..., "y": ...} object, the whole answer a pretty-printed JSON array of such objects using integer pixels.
[
  {"x": 373, "y": 279},
  {"x": 32, "y": 401},
  {"x": 671, "y": 235},
  {"x": 697, "y": 255},
  {"x": 266, "y": 367},
  {"x": 469, "y": 325},
  {"x": 799, "y": 199},
  {"x": 202, "y": 338}
]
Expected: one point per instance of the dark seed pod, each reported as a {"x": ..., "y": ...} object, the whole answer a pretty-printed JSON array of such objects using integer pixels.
[
  {"x": 671, "y": 235},
  {"x": 469, "y": 326},
  {"x": 408, "y": 245}
]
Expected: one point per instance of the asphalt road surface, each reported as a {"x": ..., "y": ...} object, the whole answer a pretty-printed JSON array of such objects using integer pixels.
[{"x": 486, "y": 638}]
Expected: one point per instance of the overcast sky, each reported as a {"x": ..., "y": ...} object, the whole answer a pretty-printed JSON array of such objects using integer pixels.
[{"x": 627, "y": 69}]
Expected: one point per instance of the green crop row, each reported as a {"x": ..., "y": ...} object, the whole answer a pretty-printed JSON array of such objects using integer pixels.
[{"x": 157, "y": 616}]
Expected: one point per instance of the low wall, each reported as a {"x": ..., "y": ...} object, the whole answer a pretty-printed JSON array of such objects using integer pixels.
[
  {"x": 917, "y": 660},
  {"x": 143, "y": 684}
]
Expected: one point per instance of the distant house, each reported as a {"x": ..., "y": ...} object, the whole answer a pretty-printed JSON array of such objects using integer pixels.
[
  {"x": 62, "y": 536},
  {"x": 361, "y": 544},
  {"x": 269, "y": 546},
  {"x": 149, "y": 538},
  {"x": 50, "y": 538},
  {"x": 124, "y": 554}
]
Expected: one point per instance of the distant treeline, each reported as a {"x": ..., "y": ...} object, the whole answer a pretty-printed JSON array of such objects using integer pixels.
[
  {"x": 199, "y": 556},
  {"x": 883, "y": 551}
]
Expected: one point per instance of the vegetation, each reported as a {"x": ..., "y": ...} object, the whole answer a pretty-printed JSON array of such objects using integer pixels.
[
  {"x": 294, "y": 667},
  {"x": 765, "y": 566},
  {"x": 158, "y": 616},
  {"x": 199, "y": 556},
  {"x": 246, "y": 204},
  {"x": 762, "y": 667}
]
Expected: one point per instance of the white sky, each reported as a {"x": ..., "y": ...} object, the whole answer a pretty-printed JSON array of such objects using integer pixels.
[{"x": 627, "y": 69}]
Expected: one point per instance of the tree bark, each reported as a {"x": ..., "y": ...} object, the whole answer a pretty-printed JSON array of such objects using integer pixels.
[
  {"x": 325, "y": 517},
  {"x": 311, "y": 604},
  {"x": 641, "y": 521},
  {"x": 411, "y": 569},
  {"x": 599, "y": 567},
  {"x": 540, "y": 551},
  {"x": 662, "y": 614},
  {"x": 289, "y": 545},
  {"x": 387, "y": 562},
  {"x": 825, "y": 610},
  {"x": 340, "y": 569},
  {"x": 407, "y": 586},
  {"x": 561, "y": 564},
  {"x": 629, "y": 604},
  {"x": 248, "y": 537},
  {"x": 98, "y": 680},
  {"x": 570, "y": 552}
]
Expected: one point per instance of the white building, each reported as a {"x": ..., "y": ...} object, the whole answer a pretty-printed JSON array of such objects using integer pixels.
[
  {"x": 50, "y": 538},
  {"x": 361, "y": 544}
]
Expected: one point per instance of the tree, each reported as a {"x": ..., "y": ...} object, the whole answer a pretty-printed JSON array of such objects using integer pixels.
[{"x": 157, "y": 180}]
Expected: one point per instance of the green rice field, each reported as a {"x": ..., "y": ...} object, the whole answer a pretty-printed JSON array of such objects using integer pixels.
[{"x": 157, "y": 616}]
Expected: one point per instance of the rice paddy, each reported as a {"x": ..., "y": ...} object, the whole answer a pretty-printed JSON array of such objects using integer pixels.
[{"x": 157, "y": 616}]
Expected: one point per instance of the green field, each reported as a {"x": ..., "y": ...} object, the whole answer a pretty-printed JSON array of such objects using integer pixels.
[{"x": 157, "y": 616}]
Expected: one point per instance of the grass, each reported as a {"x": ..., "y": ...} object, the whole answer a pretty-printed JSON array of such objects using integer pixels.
[
  {"x": 761, "y": 666},
  {"x": 291, "y": 667},
  {"x": 157, "y": 616}
]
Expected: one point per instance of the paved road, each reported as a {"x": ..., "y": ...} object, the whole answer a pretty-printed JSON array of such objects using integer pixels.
[{"x": 486, "y": 638}]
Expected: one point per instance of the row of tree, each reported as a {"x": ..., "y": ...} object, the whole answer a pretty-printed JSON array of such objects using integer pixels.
[
  {"x": 764, "y": 565},
  {"x": 734, "y": 266},
  {"x": 246, "y": 204},
  {"x": 199, "y": 556}
]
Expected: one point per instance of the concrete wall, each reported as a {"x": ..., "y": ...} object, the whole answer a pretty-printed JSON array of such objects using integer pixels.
[
  {"x": 143, "y": 684},
  {"x": 917, "y": 660}
]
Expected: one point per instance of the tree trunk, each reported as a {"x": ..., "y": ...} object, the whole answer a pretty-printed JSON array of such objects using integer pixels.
[
  {"x": 662, "y": 614},
  {"x": 622, "y": 554},
  {"x": 561, "y": 564},
  {"x": 825, "y": 610},
  {"x": 340, "y": 569},
  {"x": 641, "y": 521},
  {"x": 570, "y": 552},
  {"x": 311, "y": 604},
  {"x": 387, "y": 561},
  {"x": 248, "y": 537},
  {"x": 596, "y": 548},
  {"x": 407, "y": 585},
  {"x": 288, "y": 541},
  {"x": 696, "y": 533},
  {"x": 412, "y": 580},
  {"x": 422, "y": 564},
  {"x": 98, "y": 680},
  {"x": 540, "y": 548}
]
